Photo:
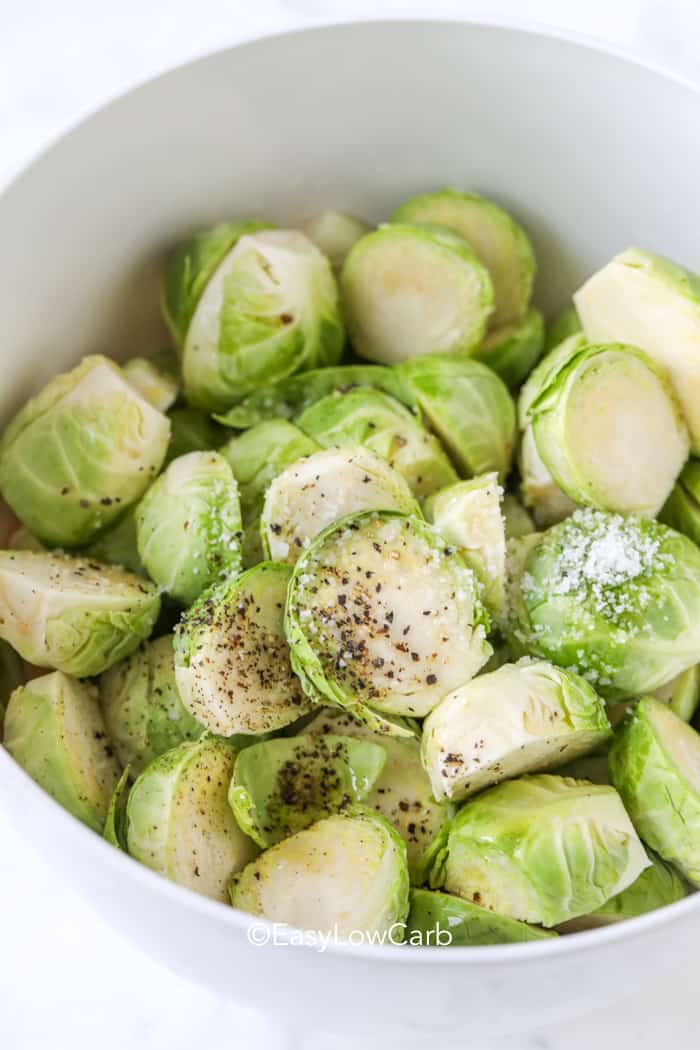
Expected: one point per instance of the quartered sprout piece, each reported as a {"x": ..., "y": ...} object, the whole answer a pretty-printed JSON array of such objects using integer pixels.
[
  {"x": 682, "y": 693},
  {"x": 189, "y": 525},
  {"x": 381, "y": 613},
  {"x": 443, "y": 920},
  {"x": 334, "y": 233},
  {"x": 54, "y": 730},
  {"x": 142, "y": 708},
  {"x": 410, "y": 290},
  {"x": 513, "y": 350},
  {"x": 615, "y": 598},
  {"x": 159, "y": 386},
  {"x": 343, "y": 874},
  {"x": 192, "y": 431},
  {"x": 179, "y": 822},
  {"x": 231, "y": 658},
  {"x": 468, "y": 516},
  {"x": 541, "y": 849},
  {"x": 81, "y": 452},
  {"x": 378, "y": 421},
  {"x": 317, "y": 490},
  {"x": 518, "y": 719},
  {"x": 73, "y": 614},
  {"x": 655, "y": 765},
  {"x": 270, "y": 309},
  {"x": 282, "y": 786},
  {"x": 499, "y": 242}
]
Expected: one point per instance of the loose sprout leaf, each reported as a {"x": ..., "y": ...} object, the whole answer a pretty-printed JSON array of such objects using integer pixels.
[
  {"x": 513, "y": 350},
  {"x": 343, "y": 874},
  {"x": 317, "y": 490},
  {"x": 231, "y": 658},
  {"x": 442, "y": 920},
  {"x": 115, "y": 829},
  {"x": 518, "y": 719},
  {"x": 616, "y": 599},
  {"x": 334, "y": 233},
  {"x": 282, "y": 786},
  {"x": 192, "y": 431},
  {"x": 381, "y": 613},
  {"x": 54, "y": 730}
]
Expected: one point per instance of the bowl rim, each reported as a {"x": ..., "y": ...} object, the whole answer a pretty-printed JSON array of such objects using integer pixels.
[{"x": 233, "y": 918}]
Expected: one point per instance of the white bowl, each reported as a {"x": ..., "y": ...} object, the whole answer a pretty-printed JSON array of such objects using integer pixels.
[{"x": 591, "y": 151}]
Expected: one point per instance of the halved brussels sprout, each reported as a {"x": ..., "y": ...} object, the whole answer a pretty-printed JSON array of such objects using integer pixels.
[
  {"x": 115, "y": 827},
  {"x": 518, "y": 719},
  {"x": 334, "y": 233},
  {"x": 516, "y": 519},
  {"x": 157, "y": 386},
  {"x": 650, "y": 302},
  {"x": 539, "y": 490},
  {"x": 231, "y": 658},
  {"x": 468, "y": 516},
  {"x": 655, "y": 765},
  {"x": 682, "y": 693},
  {"x": 513, "y": 350},
  {"x": 364, "y": 416},
  {"x": 81, "y": 452},
  {"x": 344, "y": 874},
  {"x": 608, "y": 428},
  {"x": 442, "y": 920},
  {"x": 192, "y": 431},
  {"x": 11, "y": 676},
  {"x": 270, "y": 309},
  {"x": 189, "y": 525},
  {"x": 381, "y": 614},
  {"x": 54, "y": 730},
  {"x": 409, "y": 290},
  {"x": 317, "y": 490},
  {"x": 179, "y": 822},
  {"x": 76, "y": 615},
  {"x": 498, "y": 241},
  {"x": 682, "y": 508},
  {"x": 468, "y": 407},
  {"x": 142, "y": 708},
  {"x": 282, "y": 786},
  {"x": 567, "y": 322},
  {"x": 190, "y": 268},
  {"x": 616, "y": 599},
  {"x": 541, "y": 849},
  {"x": 117, "y": 546},
  {"x": 402, "y": 793}
]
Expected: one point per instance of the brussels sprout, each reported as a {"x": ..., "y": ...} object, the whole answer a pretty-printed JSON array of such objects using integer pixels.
[
  {"x": 192, "y": 431},
  {"x": 317, "y": 490},
  {"x": 654, "y": 762},
  {"x": 567, "y": 322},
  {"x": 142, "y": 708},
  {"x": 189, "y": 525},
  {"x": 657, "y": 886},
  {"x": 282, "y": 786},
  {"x": 72, "y": 614},
  {"x": 334, "y": 233},
  {"x": 442, "y": 920},
  {"x": 541, "y": 849},
  {"x": 54, "y": 730},
  {"x": 682, "y": 508},
  {"x": 608, "y": 427},
  {"x": 289, "y": 397},
  {"x": 379, "y": 422},
  {"x": 190, "y": 268},
  {"x": 588, "y": 767},
  {"x": 650, "y": 302},
  {"x": 116, "y": 824},
  {"x": 80, "y": 452},
  {"x": 468, "y": 407},
  {"x": 380, "y": 614},
  {"x": 159, "y": 388},
  {"x": 11, "y": 676},
  {"x": 518, "y": 719},
  {"x": 682, "y": 693},
  {"x": 343, "y": 874},
  {"x": 538, "y": 488},
  {"x": 615, "y": 598},
  {"x": 117, "y": 546},
  {"x": 270, "y": 309},
  {"x": 513, "y": 350},
  {"x": 231, "y": 658},
  {"x": 516, "y": 519},
  {"x": 468, "y": 516},
  {"x": 179, "y": 822},
  {"x": 500, "y": 244},
  {"x": 402, "y": 793}
]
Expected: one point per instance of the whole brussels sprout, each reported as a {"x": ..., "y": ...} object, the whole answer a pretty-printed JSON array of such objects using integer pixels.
[
  {"x": 499, "y": 242},
  {"x": 80, "y": 453},
  {"x": 409, "y": 290},
  {"x": 513, "y": 350},
  {"x": 76, "y": 615},
  {"x": 270, "y": 309},
  {"x": 142, "y": 708},
  {"x": 192, "y": 431},
  {"x": 442, "y": 920},
  {"x": 54, "y": 730},
  {"x": 334, "y": 233},
  {"x": 615, "y": 598}
]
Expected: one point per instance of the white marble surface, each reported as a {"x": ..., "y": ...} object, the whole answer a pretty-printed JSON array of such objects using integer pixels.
[{"x": 66, "y": 980}]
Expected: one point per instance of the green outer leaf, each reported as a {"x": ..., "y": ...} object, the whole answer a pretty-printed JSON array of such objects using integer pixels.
[
  {"x": 514, "y": 350},
  {"x": 11, "y": 676},
  {"x": 434, "y": 917},
  {"x": 656, "y": 887},
  {"x": 118, "y": 545},
  {"x": 682, "y": 508},
  {"x": 115, "y": 829}
]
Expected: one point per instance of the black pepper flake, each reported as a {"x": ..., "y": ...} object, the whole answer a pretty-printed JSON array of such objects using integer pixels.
[{"x": 431, "y": 679}]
